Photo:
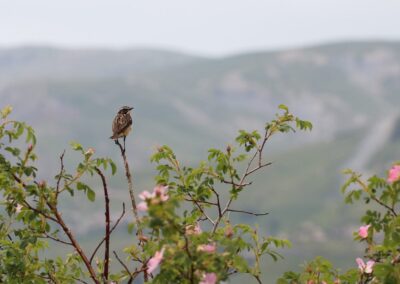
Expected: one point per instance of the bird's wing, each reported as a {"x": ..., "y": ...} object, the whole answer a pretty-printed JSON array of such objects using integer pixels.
[{"x": 120, "y": 123}]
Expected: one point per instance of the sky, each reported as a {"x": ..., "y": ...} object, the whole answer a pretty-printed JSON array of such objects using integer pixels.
[{"x": 204, "y": 27}]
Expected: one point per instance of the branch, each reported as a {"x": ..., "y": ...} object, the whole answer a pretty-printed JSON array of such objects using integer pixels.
[
  {"x": 130, "y": 188},
  {"x": 112, "y": 229},
  {"x": 373, "y": 197},
  {"x": 258, "y": 153},
  {"x": 201, "y": 209},
  {"x": 248, "y": 212},
  {"x": 17, "y": 179},
  {"x": 107, "y": 220},
  {"x": 57, "y": 239},
  {"x": 60, "y": 174},
  {"x": 74, "y": 242},
  {"x": 126, "y": 268}
]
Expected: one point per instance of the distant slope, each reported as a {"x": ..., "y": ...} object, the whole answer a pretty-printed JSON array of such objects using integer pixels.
[
  {"x": 347, "y": 90},
  {"x": 50, "y": 62}
]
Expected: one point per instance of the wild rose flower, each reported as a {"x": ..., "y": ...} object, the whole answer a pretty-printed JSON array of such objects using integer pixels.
[
  {"x": 363, "y": 231},
  {"x": 209, "y": 278},
  {"x": 153, "y": 262},
  {"x": 394, "y": 174},
  {"x": 146, "y": 195},
  {"x": 211, "y": 248},
  {"x": 365, "y": 268},
  {"x": 142, "y": 206},
  {"x": 161, "y": 191},
  {"x": 193, "y": 229}
]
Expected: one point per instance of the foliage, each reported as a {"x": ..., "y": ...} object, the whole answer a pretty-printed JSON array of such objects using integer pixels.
[
  {"x": 184, "y": 230},
  {"x": 380, "y": 234}
]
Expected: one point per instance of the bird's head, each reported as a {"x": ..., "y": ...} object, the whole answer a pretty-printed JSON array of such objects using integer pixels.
[{"x": 125, "y": 109}]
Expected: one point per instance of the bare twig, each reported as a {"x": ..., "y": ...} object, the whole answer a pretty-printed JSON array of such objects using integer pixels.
[
  {"x": 107, "y": 220},
  {"x": 201, "y": 209},
  {"x": 80, "y": 280},
  {"x": 130, "y": 188},
  {"x": 57, "y": 239},
  {"x": 242, "y": 183},
  {"x": 60, "y": 174},
  {"x": 133, "y": 275},
  {"x": 258, "y": 279},
  {"x": 112, "y": 229},
  {"x": 247, "y": 212},
  {"x": 373, "y": 197}
]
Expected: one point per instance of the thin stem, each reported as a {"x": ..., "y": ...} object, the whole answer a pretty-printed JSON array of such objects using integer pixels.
[
  {"x": 258, "y": 153},
  {"x": 60, "y": 174},
  {"x": 112, "y": 229},
  {"x": 57, "y": 239},
  {"x": 201, "y": 209},
  {"x": 107, "y": 221},
  {"x": 373, "y": 197},
  {"x": 248, "y": 212},
  {"x": 130, "y": 188}
]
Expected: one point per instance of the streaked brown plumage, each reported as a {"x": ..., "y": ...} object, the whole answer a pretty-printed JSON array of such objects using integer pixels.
[{"x": 122, "y": 123}]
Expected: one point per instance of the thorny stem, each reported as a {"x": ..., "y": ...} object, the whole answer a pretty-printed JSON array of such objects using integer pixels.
[
  {"x": 130, "y": 188},
  {"x": 74, "y": 242},
  {"x": 133, "y": 200},
  {"x": 107, "y": 220}
]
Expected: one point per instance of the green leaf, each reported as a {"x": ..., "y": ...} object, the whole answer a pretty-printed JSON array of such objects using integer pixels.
[
  {"x": 113, "y": 167},
  {"x": 283, "y": 107},
  {"x": 76, "y": 146},
  {"x": 91, "y": 194}
]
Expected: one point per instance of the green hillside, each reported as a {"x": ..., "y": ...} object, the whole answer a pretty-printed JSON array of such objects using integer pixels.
[{"x": 350, "y": 91}]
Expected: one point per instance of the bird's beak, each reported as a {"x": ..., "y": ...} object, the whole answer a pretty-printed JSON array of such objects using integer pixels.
[{"x": 131, "y": 108}]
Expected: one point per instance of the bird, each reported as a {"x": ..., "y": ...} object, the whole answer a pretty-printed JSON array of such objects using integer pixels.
[{"x": 122, "y": 124}]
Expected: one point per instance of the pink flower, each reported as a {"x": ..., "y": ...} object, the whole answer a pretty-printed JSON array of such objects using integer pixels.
[
  {"x": 153, "y": 262},
  {"x": 363, "y": 231},
  {"x": 394, "y": 174},
  {"x": 207, "y": 248},
  {"x": 193, "y": 229},
  {"x": 365, "y": 268},
  {"x": 146, "y": 195},
  {"x": 209, "y": 278},
  {"x": 161, "y": 191},
  {"x": 142, "y": 206}
]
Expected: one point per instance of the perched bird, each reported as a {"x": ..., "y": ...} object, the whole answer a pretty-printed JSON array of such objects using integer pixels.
[{"x": 122, "y": 124}]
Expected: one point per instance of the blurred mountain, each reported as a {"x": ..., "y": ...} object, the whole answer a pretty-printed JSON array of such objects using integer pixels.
[{"x": 350, "y": 91}]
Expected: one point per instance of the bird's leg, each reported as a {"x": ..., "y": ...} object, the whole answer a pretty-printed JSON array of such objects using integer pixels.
[
  {"x": 116, "y": 141},
  {"x": 124, "y": 143}
]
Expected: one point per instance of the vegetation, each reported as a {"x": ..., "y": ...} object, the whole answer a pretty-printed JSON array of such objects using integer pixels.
[{"x": 184, "y": 232}]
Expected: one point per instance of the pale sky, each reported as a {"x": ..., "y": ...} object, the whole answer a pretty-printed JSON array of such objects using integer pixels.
[{"x": 208, "y": 27}]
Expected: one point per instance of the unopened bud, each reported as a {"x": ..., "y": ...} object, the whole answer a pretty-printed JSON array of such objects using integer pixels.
[
  {"x": 42, "y": 184},
  {"x": 90, "y": 151},
  {"x": 30, "y": 148},
  {"x": 228, "y": 232},
  {"x": 143, "y": 239},
  {"x": 228, "y": 149}
]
